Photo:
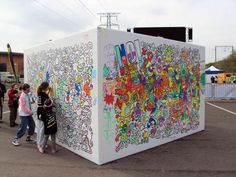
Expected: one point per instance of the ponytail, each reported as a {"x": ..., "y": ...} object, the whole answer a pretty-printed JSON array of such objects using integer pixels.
[{"x": 39, "y": 90}]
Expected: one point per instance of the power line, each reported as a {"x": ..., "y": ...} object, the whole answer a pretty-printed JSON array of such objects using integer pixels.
[
  {"x": 86, "y": 8},
  {"x": 102, "y": 6},
  {"x": 68, "y": 8},
  {"x": 55, "y": 12}
]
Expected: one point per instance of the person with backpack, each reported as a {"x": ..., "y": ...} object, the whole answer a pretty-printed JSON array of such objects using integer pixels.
[{"x": 50, "y": 124}]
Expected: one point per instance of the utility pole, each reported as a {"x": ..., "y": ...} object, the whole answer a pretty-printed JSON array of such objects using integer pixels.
[{"x": 109, "y": 16}]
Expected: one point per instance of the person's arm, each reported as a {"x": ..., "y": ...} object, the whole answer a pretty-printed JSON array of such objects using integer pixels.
[
  {"x": 50, "y": 92},
  {"x": 4, "y": 88}
]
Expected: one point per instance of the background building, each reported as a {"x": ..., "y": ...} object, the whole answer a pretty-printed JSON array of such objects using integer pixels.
[{"x": 5, "y": 66}]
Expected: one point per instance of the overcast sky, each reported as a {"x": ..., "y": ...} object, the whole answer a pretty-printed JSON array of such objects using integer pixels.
[{"x": 27, "y": 23}]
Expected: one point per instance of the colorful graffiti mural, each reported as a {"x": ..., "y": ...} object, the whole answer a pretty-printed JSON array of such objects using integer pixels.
[
  {"x": 150, "y": 91},
  {"x": 71, "y": 73}
]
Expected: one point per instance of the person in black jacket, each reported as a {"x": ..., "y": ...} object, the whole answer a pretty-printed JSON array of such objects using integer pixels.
[
  {"x": 50, "y": 123},
  {"x": 2, "y": 92},
  {"x": 43, "y": 93}
]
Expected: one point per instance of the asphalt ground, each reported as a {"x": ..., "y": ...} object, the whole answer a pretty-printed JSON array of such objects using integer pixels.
[{"x": 209, "y": 153}]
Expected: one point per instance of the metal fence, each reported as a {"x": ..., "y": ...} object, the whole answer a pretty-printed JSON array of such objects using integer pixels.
[{"x": 220, "y": 91}]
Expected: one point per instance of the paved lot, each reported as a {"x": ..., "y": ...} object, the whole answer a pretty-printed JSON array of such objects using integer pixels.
[{"x": 210, "y": 153}]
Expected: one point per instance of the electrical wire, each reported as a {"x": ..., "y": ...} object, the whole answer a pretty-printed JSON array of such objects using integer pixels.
[
  {"x": 67, "y": 8},
  {"x": 102, "y": 6},
  {"x": 81, "y": 3},
  {"x": 55, "y": 12}
]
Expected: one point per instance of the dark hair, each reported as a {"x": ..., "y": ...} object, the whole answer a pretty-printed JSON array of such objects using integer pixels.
[
  {"x": 15, "y": 91},
  {"x": 25, "y": 86},
  {"x": 42, "y": 87},
  {"x": 13, "y": 85}
]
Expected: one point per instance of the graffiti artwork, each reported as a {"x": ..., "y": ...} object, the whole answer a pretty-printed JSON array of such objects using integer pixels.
[
  {"x": 150, "y": 91},
  {"x": 71, "y": 73}
]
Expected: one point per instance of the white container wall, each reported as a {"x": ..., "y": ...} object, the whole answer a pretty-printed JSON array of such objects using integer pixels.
[
  {"x": 120, "y": 93},
  {"x": 70, "y": 66}
]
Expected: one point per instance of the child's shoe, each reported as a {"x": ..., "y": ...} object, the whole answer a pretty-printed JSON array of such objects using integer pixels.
[{"x": 41, "y": 150}]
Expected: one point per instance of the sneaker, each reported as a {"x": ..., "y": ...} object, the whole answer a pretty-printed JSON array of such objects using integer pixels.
[
  {"x": 41, "y": 150},
  {"x": 15, "y": 142},
  {"x": 30, "y": 141}
]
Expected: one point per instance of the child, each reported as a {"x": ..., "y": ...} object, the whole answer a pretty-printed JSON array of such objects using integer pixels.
[
  {"x": 13, "y": 103},
  {"x": 26, "y": 119},
  {"x": 43, "y": 94},
  {"x": 50, "y": 123}
]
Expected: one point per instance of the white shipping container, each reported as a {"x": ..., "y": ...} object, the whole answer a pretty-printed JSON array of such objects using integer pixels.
[{"x": 120, "y": 93}]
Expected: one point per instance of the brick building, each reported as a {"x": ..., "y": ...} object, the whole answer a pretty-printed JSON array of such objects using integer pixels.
[{"x": 18, "y": 59}]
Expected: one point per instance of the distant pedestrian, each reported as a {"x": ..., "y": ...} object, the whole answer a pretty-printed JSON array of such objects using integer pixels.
[
  {"x": 3, "y": 88},
  {"x": 13, "y": 95},
  {"x": 216, "y": 79},
  {"x": 50, "y": 124},
  {"x": 43, "y": 92},
  {"x": 2, "y": 93},
  {"x": 212, "y": 79},
  {"x": 26, "y": 119}
]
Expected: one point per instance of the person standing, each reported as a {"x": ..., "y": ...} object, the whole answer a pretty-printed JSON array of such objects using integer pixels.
[
  {"x": 212, "y": 79},
  {"x": 26, "y": 119},
  {"x": 216, "y": 79},
  {"x": 3, "y": 88},
  {"x": 13, "y": 104},
  {"x": 2, "y": 92},
  {"x": 43, "y": 93},
  {"x": 50, "y": 124}
]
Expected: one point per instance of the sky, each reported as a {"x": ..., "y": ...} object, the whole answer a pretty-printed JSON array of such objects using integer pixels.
[{"x": 27, "y": 23}]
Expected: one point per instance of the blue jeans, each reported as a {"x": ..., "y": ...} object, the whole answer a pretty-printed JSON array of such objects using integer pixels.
[{"x": 24, "y": 122}]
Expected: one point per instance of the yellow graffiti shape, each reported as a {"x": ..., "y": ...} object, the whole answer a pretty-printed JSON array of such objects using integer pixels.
[
  {"x": 145, "y": 134},
  {"x": 79, "y": 79},
  {"x": 40, "y": 74}
]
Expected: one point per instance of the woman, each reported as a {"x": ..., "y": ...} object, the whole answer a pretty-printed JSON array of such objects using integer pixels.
[
  {"x": 13, "y": 103},
  {"x": 43, "y": 93}
]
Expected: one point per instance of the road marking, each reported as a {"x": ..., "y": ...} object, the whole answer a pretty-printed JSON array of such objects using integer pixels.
[
  {"x": 226, "y": 110},
  {"x": 6, "y": 112}
]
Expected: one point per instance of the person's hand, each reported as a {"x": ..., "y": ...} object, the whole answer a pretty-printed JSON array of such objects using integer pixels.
[{"x": 50, "y": 91}]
